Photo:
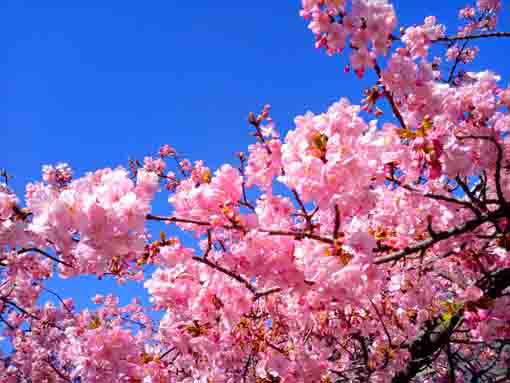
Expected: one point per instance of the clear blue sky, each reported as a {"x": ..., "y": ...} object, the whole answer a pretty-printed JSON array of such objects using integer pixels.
[{"x": 95, "y": 82}]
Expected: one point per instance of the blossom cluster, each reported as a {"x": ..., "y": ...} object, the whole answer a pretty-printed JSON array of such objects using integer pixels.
[
  {"x": 366, "y": 24},
  {"x": 97, "y": 222},
  {"x": 348, "y": 249}
]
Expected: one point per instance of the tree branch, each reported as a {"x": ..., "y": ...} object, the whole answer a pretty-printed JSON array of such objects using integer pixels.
[
  {"x": 440, "y": 236},
  {"x": 499, "y": 163},
  {"x": 42, "y": 252},
  {"x": 390, "y": 98},
  {"x": 431, "y": 340},
  {"x": 231, "y": 274},
  {"x": 472, "y": 37}
]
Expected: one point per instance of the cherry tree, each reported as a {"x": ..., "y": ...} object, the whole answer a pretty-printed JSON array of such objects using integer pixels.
[{"x": 370, "y": 244}]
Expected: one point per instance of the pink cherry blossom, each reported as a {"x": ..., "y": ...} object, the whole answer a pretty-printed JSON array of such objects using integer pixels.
[{"x": 368, "y": 243}]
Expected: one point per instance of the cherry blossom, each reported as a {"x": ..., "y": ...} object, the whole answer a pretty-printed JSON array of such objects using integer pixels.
[{"x": 370, "y": 243}]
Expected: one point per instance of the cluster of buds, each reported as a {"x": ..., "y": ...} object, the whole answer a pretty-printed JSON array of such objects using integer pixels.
[
  {"x": 59, "y": 175},
  {"x": 319, "y": 146},
  {"x": 152, "y": 249},
  {"x": 264, "y": 115},
  {"x": 167, "y": 151},
  {"x": 256, "y": 122},
  {"x": 339, "y": 252},
  {"x": 369, "y": 102}
]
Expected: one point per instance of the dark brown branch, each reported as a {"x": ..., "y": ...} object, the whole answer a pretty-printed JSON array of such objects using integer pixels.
[
  {"x": 472, "y": 37},
  {"x": 166, "y": 353},
  {"x": 255, "y": 122},
  {"x": 307, "y": 216},
  {"x": 389, "y": 97},
  {"x": 436, "y": 197},
  {"x": 337, "y": 222},
  {"x": 365, "y": 354},
  {"x": 430, "y": 229},
  {"x": 476, "y": 203},
  {"x": 26, "y": 313},
  {"x": 209, "y": 244},
  {"x": 440, "y": 236},
  {"x": 244, "y": 202},
  {"x": 58, "y": 297},
  {"x": 256, "y": 294},
  {"x": 176, "y": 220},
  {"x": 429, "y": 341},
  {"x": 267, "y": 292},
  {"x": 499, "y": 163},
  {"x": 382, "y": 323},
  {"x": 19, "y": 308},
  {"x": 42, "y": 252},
  {"x": 298, "y": 235},
  {"x": 58, "y": 372},
  {"x": 231, "y": 274},
  {"x": 458, "y": 59},
  {"x": 451, "y": 364},
  {"x": 246, "y": 366},
  {"x": 11, "y": 327}
]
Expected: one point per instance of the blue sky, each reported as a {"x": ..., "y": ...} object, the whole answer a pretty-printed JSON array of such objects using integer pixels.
[{"x": 96, "y": 82}]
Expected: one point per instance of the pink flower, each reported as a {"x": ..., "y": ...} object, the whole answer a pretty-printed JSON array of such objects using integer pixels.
[
  {"x": 7, "y": 202},
  {"x": 147, "y": 184},
  {"x": 262, "y": 167},
  {"x": 418, "y": 38},
  {"x": 59, "y": 175},
  {"x": 493, "y": 5},
  {"x": 98, "y": 299},
  {"x": 361, "y": 59},
  {"x": 167, "y": 151},
  {"x": 472, "y": 294},
  {"x": 156, "y": 165}
]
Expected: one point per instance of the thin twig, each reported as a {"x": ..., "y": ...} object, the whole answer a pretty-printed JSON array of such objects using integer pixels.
[
  {"x": 389, "y": 97},
  {"x": 440, "y": 236},
  {"x": 166, "y": 353},
  {"x": 42, "y": 252},
  {"x": 472, "y": 37},
  {"x": 58, "y": 372},
  {"x": 231, "y": 274},
  {"x": 499, "y": 163}
]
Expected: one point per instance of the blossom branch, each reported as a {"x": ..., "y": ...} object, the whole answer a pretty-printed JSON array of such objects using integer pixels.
[
  {"x": 387, "y": 333},
  {"x": 472, "y": 37},
  {"x": 58, "y": 372},
  {"x": 499, "y": 163},
  {"x": 42, "y": 252},
  {"x": 166, "y": 352},
  {"x": 68, "y": 309},
  {"x": 244, "y": 202},
  {"x": 209, "y": 244},
  {"x": 336, "y": 228},
  {"x": 437, "y": 197},
  {"x": 231, "y": 274},
  {"x": 440, "y": 236},
  {"x": 176, "y": 220},
  {"x": 19, "y": 308},
  {"x": 431, "y": 340},
  {"x": 267, "y": 292},
  {"x": 298, "y": 235},
  {"x": 389, "y": 97},
  {"x": 458, "y": 59}
]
